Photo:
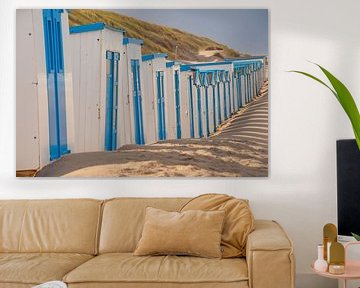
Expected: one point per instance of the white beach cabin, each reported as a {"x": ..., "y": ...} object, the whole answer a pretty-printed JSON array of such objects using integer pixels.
[
  {"x": 154, "y": 80},
  {"x": 188, "y": 99},
  {"x": 212, "y": 95},
  {"x": 96, "y": 57},
  {"x": 44, "y": 122},
  {"x": 133, "y": 125}
]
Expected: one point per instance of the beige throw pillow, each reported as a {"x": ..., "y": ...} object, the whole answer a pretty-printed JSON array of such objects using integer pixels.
[
  {"x": 238, "y": 223},
  {"x": 196, "y": 233}
]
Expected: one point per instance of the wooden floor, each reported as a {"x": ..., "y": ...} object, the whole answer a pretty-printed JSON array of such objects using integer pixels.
[{"x": 239, "y": 148}]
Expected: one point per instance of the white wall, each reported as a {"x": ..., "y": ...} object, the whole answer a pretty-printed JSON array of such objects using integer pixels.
[{"x": 305, "y": 122}]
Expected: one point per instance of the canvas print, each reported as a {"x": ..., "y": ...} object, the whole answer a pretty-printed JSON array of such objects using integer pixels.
[{"x": 142, "y": 92}]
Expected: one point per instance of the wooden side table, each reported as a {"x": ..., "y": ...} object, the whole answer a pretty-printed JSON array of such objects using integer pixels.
[{"x": 352, "y": 268}]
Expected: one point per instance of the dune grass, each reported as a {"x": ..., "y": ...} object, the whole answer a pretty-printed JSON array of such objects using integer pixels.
[{"x": 157, "y": 38}]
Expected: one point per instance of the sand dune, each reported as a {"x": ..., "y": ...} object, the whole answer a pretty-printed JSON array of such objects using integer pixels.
[{"x": 239, "y": 148}]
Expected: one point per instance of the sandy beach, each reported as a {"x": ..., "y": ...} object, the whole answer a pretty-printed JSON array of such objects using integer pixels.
[{"x": 239, "y": 148}]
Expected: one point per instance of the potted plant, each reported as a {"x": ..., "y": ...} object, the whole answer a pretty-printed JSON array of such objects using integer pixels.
[{"x": 347, "y": 102}]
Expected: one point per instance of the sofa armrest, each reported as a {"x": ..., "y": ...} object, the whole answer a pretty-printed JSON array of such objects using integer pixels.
[{"x": 269, "y": 256}]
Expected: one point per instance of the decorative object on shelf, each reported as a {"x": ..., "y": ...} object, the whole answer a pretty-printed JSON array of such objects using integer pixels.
[
  {"x": 344, "y": 97},
  {"x": 349, "y": 271},
  {"x": 337, "y": 258},
  {"x": 320, "y": 264},
  {"x": 329, "y": 236}
]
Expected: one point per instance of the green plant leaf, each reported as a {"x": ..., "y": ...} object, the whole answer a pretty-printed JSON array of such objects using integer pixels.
[
  {"x": 344, "y": 97},
  {"x": 356, "y": 236}
]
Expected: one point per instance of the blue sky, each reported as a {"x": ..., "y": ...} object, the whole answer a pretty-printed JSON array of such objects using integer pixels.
[{"x": 245, "y": 30}]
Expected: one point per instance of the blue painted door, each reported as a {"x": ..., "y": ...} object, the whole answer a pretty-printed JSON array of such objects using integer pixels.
[
  {"x": 199, "y": 111},
  {"x": 248, "y": 88},
  {"x": 55, "y": 82},
  {"x": 207, "y": 111},
  {"x": 219, "y": 102},
  {"x": 239, "y": 92},
  {"x": 137, "y": 102},
  {"x": 225, "y": 101},
  {"x": 230, "y": 98},
  {"x": 111, "y": 114},
  {"x": 191, "y": 109},
  {"x": 177, "y": 105},
  {"x": 214, "y": 106},
  {"x": 161, "y": 105}
]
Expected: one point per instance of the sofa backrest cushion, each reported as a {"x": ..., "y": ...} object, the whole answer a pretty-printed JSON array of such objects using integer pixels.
[
  {"x": 123, "y": 220},
  {"x": 64, "y": 226}
]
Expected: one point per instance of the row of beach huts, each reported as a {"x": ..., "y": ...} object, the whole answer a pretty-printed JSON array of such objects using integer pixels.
[{"x": 88, "y": 88}]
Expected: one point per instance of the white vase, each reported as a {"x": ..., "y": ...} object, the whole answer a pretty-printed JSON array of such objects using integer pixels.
[{"x": 320, "y": 264}]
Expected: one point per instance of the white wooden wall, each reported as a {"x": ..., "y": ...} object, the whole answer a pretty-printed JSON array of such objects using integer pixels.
[
  {"x": 131, "y": 51},
  {"x": 184, "y": 100},
  {"x": 27, "y": 104},
  {"x": 150, "y": 112},
  {"x": 89, "y": 78},
  {"x": 32, "y": 122},
  {"x": 159, "y": 64},
  {"x": 149, "y": 115},
  {"x": 112, "y": 41},
  {"x": 68, "y": 78},
  {"x": 170, "y": 107}
]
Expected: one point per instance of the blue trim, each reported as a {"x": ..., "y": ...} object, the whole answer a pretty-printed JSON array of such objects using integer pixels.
[
  {"x": 177, "y": 104},
  {"x": 247, "y": 94},
  {"x": 148, "y": 57},
  {"x": 170, "y": 64},
  {"x": 230, "y": 98},
  {"x": 133, "y": 41},
  {"x": 219, "y": 102},
  {"x": 187, "y": 67},
  {"x": 54, "y": 56},
  {"x": 199, "y": 112},
  {"x": 225, "y": 102},
  {"x": 207, "y": 111},
  {"x": 247, "y": 58},
  {"x": 111, "y": 115},
  {"x": 240, "y": 93},
  {"x": 137, "y": 102},
  {"x": 214, "y": 106},
  {"x": 161, "y": 105},
  {"x": 93, "y": 27},
  {"x": 191, "y": 109}
]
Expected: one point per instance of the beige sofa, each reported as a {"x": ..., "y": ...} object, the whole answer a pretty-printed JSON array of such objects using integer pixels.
[{"x": 89, "y": 243}]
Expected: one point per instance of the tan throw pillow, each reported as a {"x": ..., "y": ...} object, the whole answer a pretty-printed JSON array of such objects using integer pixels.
[
  {"x": 196, "y": 233},
  {"x": 239, "y": 220}
]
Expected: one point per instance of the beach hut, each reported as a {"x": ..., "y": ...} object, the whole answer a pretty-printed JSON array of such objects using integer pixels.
[
  {"x": 44, "y": 116},
  {"x": 132, "y": 103},
  {"x": 154, "y": 80},
  {"x": 97, "y": 57},
  {"x": 174, "y": 101},
  {"x": 186, "y": 100},
  {"x": 209, "y": 102},
  {"x": 221, "y": 87}
]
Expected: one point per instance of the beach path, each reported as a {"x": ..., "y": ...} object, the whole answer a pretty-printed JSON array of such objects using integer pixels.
[{"x": 239, "y": 148}]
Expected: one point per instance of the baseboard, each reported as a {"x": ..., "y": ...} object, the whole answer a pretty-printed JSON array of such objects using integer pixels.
[{"x": 310, "y": 280}]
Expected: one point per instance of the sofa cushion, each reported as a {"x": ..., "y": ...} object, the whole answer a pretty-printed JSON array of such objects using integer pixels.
[
  {"x": 36, "y": 268},
  {"x": 238, "y": 223},
  {"x": 123, "y": 220},
  {"x": 126, "y": 268},
  {"x": 193, "y": 232},
  {"x": 62, "y": 226}
]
